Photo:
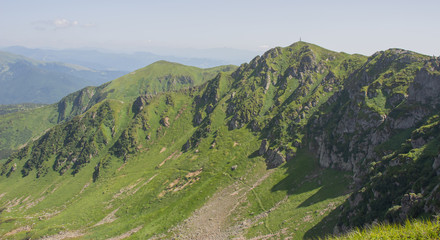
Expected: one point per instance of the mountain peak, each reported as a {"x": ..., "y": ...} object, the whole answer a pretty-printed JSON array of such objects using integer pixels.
[{"x": 297, "y": 110}]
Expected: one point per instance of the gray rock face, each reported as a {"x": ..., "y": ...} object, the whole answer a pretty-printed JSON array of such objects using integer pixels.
[
  {"x": 425, "y": 88},
  {"x": 347, "y": 145},
  {"x": 416, "y": 143},
  {"x": 396, "y": 99},
  {"x": 267, "y": 83},
  {"x": 436, "y": 163},
  {"x": 197, "y": 119},
  {"x": 359, "y": 129},
  {"x": 409, "y": 119},
  {"x": 165, "y": 121},
  {"x": 274, "y": 158},
  {"x": 409, "y": 201},
  {"x": 234, "y": 124},
  {"x": 139, "y": 104},
  {"x": 263, "y": 147},
  {"x": 356, "y": 200}
]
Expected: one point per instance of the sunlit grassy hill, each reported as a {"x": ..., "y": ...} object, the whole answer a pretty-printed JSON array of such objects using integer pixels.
[{"x": 18, "y": 128}]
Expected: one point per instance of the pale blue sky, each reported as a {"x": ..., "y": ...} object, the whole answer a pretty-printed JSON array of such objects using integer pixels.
[{"x": 134, "y": 25}]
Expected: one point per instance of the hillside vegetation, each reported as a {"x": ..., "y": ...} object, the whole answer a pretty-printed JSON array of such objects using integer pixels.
[
  {"x": 301, "y": 142},
  {"x": 18, "y": 128},
  {"x": 410, "y": 230}
]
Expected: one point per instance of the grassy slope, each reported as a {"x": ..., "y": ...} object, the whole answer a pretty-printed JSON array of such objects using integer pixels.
[
  {"x": 116, "y": 189},
  {"x": 156, "y": 186},
  {"x": 5, "y": 109},
  {"x": 158, "y": 204},
  {"x": 410, "y": 230},
  {"x": 17, "y": 128}
]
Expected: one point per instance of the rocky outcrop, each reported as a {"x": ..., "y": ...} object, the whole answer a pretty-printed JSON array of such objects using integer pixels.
[
  {"x": 197, "y": 119},
  {"x": 165, "y": 121},
  {"x": 139, "y": 104},
  {"x": 274, "y": 158},
  {"x": 234, "y": 123},
  {"x": 80, "y": 101},
  {"x": 351, "y": 141},
  {"x": 436, "y": 164},
  {"x": 425, "y": 88},
  {"x": 410, "y": 203},
  {"x": 263, "y": 147},
  {"x": 186, "y": 146}
]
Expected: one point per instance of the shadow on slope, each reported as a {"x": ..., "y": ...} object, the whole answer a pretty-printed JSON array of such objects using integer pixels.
[{"x": 305, "y": 175}]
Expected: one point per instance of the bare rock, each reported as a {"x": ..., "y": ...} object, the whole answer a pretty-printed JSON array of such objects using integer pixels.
[
  {"x": 165, "y": 121},
  {"x": 274, "y": 158},
  {"x": 409, "y": 203},
  {"x": 197, "y": 118},
  {"x": 436, "y": 163},
  {"x": 139, "y": 104},
  {"x": 263, "y": 147},
  {"x": 417, "y": 143}
]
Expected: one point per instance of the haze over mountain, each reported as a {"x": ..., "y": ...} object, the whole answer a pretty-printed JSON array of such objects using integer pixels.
[
  {"x": 25, "y": 80},
  {"x": 105, "y": 60},
  {"x": 301, "y": 142}
]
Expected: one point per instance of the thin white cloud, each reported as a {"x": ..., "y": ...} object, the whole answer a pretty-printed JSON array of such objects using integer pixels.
[
  {"x": 62, "y": 23},
  {"x": 59, "y": 23}
]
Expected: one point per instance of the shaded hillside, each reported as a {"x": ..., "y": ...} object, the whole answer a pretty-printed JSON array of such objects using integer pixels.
[
  {"x": 299, "y": 142},
  {"x": 25, "y": 80}
]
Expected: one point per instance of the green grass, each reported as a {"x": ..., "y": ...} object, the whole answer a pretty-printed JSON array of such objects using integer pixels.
[
  {"x": 296, "y": 200},
  {"x": 141, "y": 173},
  {"x": 5, "y": 109},
  {"x": 417, "y": 229},
  {"x": 18, "y": 128},
  {"x": 159, "y": 77},
  {"x": 134, "y": 210}
]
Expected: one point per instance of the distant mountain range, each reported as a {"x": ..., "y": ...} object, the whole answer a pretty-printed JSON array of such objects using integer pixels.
[
  {"x": 97, "y": 59},
  {"x": 26, "y": 80}
]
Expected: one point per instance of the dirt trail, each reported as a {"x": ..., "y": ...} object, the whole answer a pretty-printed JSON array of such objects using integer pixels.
[
  {"x": 64, "y": 235},
  {"x": 15, "y": 231},
  {"x": 127, "y": 234},
  {"x": 212, "y": 220},
  {"x": 111, "y": 217}
]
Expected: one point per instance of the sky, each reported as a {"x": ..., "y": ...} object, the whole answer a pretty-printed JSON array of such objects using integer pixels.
[{"x": 134, "y": 25}]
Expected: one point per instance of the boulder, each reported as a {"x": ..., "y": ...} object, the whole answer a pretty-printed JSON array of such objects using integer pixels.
[
  {"x": 274, "y": 158},
  {"x": 165, "y": 121}
]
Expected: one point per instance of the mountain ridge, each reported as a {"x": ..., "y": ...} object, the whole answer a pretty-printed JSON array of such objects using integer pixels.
[
  {"x": 172, "y": 76},
  {"x": 27, "y": 80},
  {"x": 106, "y": 60},
  {"x": 313, "y": 142}
]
